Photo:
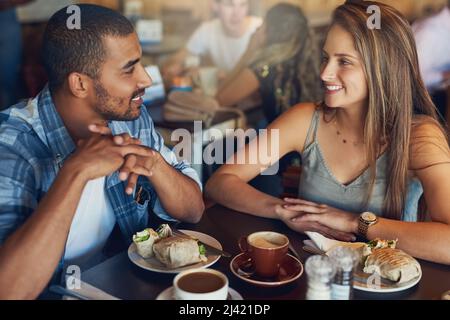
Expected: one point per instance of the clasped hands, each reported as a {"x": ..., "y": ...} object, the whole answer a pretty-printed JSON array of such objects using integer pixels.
[
  {"x": 301, "y": 215},
  {"x": 134, "y": 165}
]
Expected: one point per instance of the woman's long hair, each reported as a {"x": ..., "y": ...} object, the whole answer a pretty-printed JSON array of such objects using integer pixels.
[
  {"x": 287, "y": 36},
  {"x": 397, "y": 94}
]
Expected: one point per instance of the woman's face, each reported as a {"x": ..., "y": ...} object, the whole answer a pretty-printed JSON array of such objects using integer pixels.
[{"x": 342, "y": 71}]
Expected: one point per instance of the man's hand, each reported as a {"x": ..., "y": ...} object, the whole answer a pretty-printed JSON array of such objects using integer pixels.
[
  {"x": 101, "y": 155},
  {"x": 134, "y": 165}
]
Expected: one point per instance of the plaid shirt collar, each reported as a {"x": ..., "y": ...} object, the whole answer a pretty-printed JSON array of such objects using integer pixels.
[
  {"x": 58, "y": 138},
  {"x": 59, "y": 141}
]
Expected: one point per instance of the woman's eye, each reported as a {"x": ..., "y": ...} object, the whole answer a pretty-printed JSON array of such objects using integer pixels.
[
  {"x": 345, "y": 62},
  {"x": 129, "y": 71},
  {"x": 324, "y": 59}
]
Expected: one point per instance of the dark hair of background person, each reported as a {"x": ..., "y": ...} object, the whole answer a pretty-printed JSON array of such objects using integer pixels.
[
  {"x": 71, "y": 50},
  {"x": 289, "y": 38}
]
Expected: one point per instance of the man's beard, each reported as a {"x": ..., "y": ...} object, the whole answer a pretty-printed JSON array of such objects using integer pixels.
[{"x": 109, "y": 107}]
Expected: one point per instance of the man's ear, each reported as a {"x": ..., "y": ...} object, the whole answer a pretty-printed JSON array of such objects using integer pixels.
[{"x": 79, "y": 84}]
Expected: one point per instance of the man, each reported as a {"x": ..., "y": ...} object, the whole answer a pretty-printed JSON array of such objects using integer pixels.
[
  {"x": 433, "y": 49},
  {"x": 70, "y": 158},
  {"x": 10, "y": 52},
  {"x": 224, "y": 39}
]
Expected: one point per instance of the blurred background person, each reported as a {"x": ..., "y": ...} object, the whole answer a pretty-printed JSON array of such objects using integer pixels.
[
  {"x": 433, "y": 47},
  {"x": 281, "y": 63},
  {"x": 10, "y": 52},
  {"x": 223, "y": 39}
]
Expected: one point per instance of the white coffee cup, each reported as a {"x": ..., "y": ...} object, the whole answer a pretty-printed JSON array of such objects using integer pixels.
[
  {"x": 200, "y": 284},
  {"x": 209, "y": 80}
]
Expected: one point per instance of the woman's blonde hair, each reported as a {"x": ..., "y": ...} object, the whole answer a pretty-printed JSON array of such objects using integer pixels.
[
  {"x": 289, "y": 36},
  {"x": 397, "y": 94}
]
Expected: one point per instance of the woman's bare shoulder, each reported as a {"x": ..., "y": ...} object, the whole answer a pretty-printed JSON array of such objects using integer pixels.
[
  {"x": 293, "y": 124},
  {"x": 297, "y": 116},
  {"x": 429, "y": 143}
]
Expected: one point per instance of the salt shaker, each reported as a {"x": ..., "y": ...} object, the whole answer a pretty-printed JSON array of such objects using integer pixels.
[
  {"x": 344, "y": 260},
  {"x": 320, "y": 272}
]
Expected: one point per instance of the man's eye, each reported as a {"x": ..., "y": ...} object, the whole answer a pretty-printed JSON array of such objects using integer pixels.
[{"x": 130, "y": 71}]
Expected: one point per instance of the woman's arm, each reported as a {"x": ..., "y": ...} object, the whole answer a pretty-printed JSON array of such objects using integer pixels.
[
  {"x": 228, "y": 186},
  {"x": 241, "y": 82},
  {"x": 430, "y": 157},
  {"x": 242, "y": 85}
]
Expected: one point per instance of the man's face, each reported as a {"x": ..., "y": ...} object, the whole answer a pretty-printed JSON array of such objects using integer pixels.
[
  {"x": 232, "y": 14},
  {"x": 122, "y": 81}
]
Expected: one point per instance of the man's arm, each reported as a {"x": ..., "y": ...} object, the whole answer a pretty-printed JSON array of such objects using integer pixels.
[
  {"x": 176, "y": 184},
  {"x": 179, "y": 194},
  {"x": 30, "y": 255},
  {"x": 7, "y": 4}
]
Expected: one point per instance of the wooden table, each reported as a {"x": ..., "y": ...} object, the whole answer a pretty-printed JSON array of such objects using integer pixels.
[{"x": 120, "y": 277}]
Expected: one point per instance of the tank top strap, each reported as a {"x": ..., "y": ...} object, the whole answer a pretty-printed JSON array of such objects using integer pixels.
[{"x": 312, "y": 131}]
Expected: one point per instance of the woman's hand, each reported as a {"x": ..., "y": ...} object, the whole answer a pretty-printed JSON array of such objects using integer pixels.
[
  {"x": 292, "y": 219},
  {"x": 307, "y": 211}
]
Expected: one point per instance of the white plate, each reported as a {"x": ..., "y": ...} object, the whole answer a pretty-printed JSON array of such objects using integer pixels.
[
  {"x": 168, "y": 294},
  {"x": 155, "y": 265},
  {"x": 374, "y": 283}
]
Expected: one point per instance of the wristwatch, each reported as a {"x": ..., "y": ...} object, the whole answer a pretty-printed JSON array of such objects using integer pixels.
[{"x": 366, "y": 219}]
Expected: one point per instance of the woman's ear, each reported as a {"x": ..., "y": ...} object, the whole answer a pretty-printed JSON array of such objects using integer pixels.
[{"x": 78, "y": 84}]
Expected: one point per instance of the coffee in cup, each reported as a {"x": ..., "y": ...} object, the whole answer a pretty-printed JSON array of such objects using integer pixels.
[
  {"x": 201, "y": 284},
  {"x": 267, "y": 250}
]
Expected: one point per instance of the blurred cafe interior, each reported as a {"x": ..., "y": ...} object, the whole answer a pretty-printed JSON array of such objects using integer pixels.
[{"x": 212, "y": 67}]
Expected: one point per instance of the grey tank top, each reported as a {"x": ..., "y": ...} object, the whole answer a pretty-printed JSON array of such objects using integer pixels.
[{"x": 318, "y": 184}]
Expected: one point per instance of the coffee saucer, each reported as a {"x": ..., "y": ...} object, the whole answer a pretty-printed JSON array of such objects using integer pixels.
[
  {"x": 168, "y": 294},
  {"x": 290, "y": 270}
]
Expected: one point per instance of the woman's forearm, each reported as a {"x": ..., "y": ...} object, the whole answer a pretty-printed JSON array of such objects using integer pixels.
[
  {"x": 230, "y": 191},
  {"x": 424, "y": 240}
]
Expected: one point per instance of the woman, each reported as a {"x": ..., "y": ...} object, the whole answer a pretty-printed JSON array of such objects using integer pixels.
[
  {"x": 281, "y": 62},
  {"x": 374, "y": 144}
]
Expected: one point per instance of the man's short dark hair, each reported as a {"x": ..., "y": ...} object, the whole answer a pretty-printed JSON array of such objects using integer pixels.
[{"x": 81, "y": 50}]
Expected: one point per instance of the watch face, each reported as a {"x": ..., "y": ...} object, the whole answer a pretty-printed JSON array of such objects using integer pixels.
[{"x": 369, "y": 216}]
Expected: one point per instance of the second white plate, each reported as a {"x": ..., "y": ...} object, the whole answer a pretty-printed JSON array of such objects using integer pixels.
[{"x": 153, "y": 264}]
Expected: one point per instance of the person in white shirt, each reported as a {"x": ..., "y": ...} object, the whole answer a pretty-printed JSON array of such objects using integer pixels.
[
  {"x": 433, "y": 47},
  {"x": 224, "y": 39}
]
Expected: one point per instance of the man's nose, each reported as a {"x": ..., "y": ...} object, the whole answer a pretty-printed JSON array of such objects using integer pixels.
[{"x": 145, "y": 81}]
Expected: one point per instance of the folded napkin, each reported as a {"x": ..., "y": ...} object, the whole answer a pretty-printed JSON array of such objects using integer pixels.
[
  {"x": 326, "y": 244},
  {"x": 91, "y": 293}
]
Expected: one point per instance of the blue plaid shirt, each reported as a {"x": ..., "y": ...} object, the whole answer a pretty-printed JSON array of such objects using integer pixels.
[{"x": 33, "y": 147}]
